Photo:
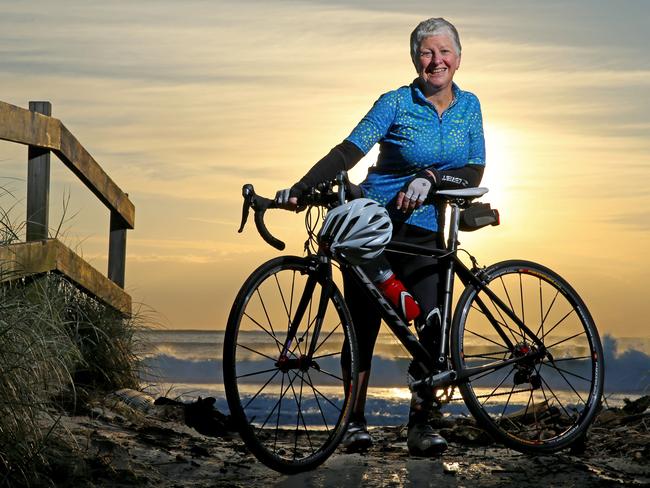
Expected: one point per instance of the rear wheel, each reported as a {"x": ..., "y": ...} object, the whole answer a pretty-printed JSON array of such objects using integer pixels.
[
  {"x": 291, "y": 409},
  {"x": 540, "y": 404}
]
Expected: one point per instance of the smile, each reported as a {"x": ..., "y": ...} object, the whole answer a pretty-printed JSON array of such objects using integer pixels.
[{"x": 438, "y": 70}]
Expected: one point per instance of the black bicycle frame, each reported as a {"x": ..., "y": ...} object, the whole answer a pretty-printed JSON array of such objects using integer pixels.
[
  {"x": 453, "y": 267},
  {"x": 321, "y": 271}
]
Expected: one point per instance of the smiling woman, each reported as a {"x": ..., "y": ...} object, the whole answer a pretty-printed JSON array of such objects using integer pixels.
[{"x": 430, "y": 137}]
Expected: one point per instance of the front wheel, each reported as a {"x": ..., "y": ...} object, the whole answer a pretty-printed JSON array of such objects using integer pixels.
[
  {"x": 290, "y": 389},
  {"x": 546, "y": 401}
]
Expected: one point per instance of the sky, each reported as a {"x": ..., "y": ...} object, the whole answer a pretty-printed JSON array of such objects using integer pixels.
[{"x": 183, "y": 102}]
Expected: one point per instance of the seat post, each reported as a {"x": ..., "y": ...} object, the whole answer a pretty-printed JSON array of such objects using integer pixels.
[
  {"x": 452, "y": 241},
  {"x": 452, "y": 245}
]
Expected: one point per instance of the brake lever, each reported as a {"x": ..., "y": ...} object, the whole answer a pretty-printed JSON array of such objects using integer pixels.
[
  {"x": 342, "y": 180},
  {"x": 248, "y": 193}
]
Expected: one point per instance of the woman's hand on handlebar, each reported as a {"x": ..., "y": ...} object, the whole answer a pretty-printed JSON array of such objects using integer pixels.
[{"x": 284, "y": 200}]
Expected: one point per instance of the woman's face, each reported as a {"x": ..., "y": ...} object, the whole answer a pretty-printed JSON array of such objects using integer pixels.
[{"x": 437, "y": 61}]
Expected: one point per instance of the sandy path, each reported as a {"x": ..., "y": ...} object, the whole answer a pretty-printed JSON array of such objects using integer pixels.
[{"x": 118, "y": 448}]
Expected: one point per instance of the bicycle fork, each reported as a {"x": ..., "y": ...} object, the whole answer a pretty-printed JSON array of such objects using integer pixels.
[{"x": 322, "y": 271}]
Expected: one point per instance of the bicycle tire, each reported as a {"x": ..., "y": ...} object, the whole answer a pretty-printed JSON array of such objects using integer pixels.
[
  {"x": 540, "y": 406},
  {"x": 296, "y": 419}
]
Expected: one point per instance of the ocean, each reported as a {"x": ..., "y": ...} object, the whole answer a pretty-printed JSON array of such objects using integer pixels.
[{"x": 187, "y": 364}]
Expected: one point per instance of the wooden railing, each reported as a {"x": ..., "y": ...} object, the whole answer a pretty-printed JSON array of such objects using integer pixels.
[{"x": 44, "y": 134}]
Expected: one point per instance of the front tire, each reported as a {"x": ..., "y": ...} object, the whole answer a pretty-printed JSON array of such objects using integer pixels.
[
  {"x": 534, "y": 406},
  {"x": 290, "y": 417}
]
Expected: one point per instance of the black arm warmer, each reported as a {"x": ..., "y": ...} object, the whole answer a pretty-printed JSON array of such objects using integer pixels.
[
  {"x": 452, "y": 179},
  {"x": 342, "y": 157},
  {"x": 346, "y": 154}
]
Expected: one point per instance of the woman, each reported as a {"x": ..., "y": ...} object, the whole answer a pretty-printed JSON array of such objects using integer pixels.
[{"x": 430, "y": 136}]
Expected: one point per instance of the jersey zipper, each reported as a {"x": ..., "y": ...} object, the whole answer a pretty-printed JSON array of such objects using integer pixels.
[{"x": 453, "y": 102}]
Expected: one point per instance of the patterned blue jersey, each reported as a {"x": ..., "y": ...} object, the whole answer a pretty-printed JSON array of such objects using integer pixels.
[{"x": 412, "y": 136}]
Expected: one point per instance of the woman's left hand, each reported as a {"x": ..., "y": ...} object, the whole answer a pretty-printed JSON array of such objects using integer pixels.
[{"x": 416, "y": 191}]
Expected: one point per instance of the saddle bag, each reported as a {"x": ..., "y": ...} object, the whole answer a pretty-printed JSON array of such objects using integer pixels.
[{"x": 478, "y": 215}]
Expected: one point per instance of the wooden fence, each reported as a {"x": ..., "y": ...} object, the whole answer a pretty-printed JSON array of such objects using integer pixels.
[{"x": 44, "y": 134}]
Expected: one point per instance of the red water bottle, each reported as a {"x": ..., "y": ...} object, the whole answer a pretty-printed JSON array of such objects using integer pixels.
[{"x": 396, "y": 292}]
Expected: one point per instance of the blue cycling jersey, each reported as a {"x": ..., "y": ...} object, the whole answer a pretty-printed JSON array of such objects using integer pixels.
[{"x": 413, "y": 136}]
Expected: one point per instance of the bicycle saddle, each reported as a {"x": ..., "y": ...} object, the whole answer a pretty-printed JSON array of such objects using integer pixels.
[{"x": 473, "y": 192}]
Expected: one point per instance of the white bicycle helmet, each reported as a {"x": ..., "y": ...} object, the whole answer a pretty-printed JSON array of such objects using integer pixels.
[{"x": 357, "y": 231}]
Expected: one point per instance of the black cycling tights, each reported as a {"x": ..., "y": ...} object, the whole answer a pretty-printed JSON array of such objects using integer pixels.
[{"x": 420, "y": 275}]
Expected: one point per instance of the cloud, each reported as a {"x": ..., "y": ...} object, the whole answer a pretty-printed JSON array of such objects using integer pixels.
[{"x": 636, "y": 220}]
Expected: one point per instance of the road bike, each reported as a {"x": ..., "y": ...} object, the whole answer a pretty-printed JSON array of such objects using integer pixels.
[{"x": 520, "y": 346}]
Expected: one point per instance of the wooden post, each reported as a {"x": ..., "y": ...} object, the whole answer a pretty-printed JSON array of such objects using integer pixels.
[
  {"x": 38, "y": 183},
  {"x": 117, "y": 250}
]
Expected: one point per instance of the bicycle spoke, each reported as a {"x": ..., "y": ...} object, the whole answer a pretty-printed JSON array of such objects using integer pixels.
[
  {"x": 284, "y": 302},
  {"x": 327, "y": 337},
  {"x": 497, "y": 387},
  {"x": 541, "y": 307},
  {"x": 316, "y": 390},
  {"x": 256, "y": 373},
  {"x": 578, "y": 358},
  {"x": 256, "y": 352},
  {"x": 521, "y": 296},
  {"x": 505, "y": 407},
  {"x": 259, "y": 295},
  {"x": 310, "y": 322},
  {"x": 567, "y": 372},
  {"x": 567, "y": 339},
  {"x": 260, "y": 390},
  {"x": 487, "y": 373},
  {"x": 305, "y": 334},
  {"x": 555, "y": 396},
  {"x": 320, "y": 409},
  {"x": 489, "y": 340},
  {"x": 558, "y": 323},
  {"x": 329, "y": 374},
  {"x": 293, "y": 286},
  {"x": 487, "y": 355},
  {"x": 502, "y": 322},
  {"x": 282, "y": 393},
  {"x": 278, "y": 343},
  {"x": 503, "y": 284},
  {"x": 531, "y": 401},
  {"x": 277, "y": 422},
  {"x": 537, "y": 370},
  {"x": 299, "y": 418},
  {"x": 561, "y": 373},
  {"x": 335, "y": 353},
  {"x": 557, "y": 292}
]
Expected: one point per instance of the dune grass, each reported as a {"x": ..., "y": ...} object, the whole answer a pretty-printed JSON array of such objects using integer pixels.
[{"x": 59, "y": 348}]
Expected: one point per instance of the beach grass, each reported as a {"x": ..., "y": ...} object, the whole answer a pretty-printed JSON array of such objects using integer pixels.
[{"x": 59, "y": 349}]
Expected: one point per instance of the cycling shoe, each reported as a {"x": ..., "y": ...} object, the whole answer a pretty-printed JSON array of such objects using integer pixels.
[
  {"x": 423, "y": 441},
  {"x": 356, "y": 438}
]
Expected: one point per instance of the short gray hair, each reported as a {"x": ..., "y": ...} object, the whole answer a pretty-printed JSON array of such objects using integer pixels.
[{"x": 433, "y": 27}]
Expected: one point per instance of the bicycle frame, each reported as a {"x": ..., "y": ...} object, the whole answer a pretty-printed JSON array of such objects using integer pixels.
[{"x": 436, "y": 368}]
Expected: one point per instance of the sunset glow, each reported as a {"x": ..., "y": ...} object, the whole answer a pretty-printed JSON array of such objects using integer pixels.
[{"x": 184, "y": 102}]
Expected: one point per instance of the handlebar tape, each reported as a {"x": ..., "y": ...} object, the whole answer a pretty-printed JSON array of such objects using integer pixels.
[{"x": 260, "y": 205}]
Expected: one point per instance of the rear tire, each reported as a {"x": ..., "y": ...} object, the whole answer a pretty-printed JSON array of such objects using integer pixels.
[
  {"x": 290, "y": 419},
  {"x": 543, "y": 405}
]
